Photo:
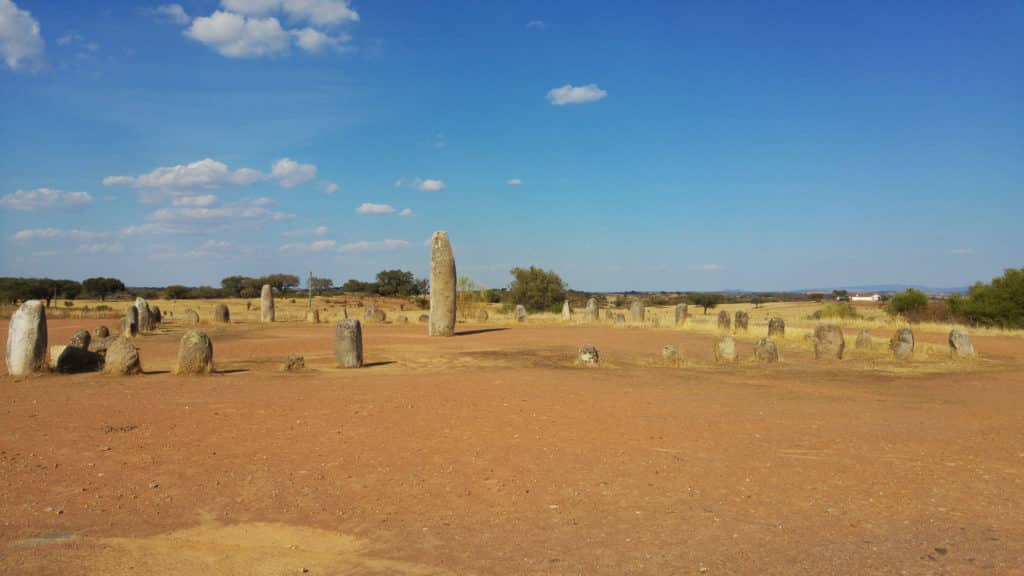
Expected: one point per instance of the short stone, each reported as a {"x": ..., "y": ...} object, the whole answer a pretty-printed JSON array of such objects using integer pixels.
[
  {"x": 195, "y": 353},
  {"x": 190, "y": 317},
  {"x": 295, "y": 363},
  {"x": 902, "y": 344},
  {"x": 724, "y": 323},
  {"x": 670, "y": 355},
  {"x": 725, "y": 348},
  {"x": 423, "y": 319},
  {"x": 122, "y": 358},
  {"x": 588, "y": 355},
  {"x": 776, "y": 328},
  {"x": 80, "y": 339},
  {"x": 765, "y": 350},
  {"x": 742, "y": 320},
  {"x": 828, "y": 341},
  {"x": 348, "y": 343},
  {"x": 960, "y": 344},
  {"x": 222, "y": 314},
  {"x": 863, "y": 341},
  {"x": 101, "y": 332},
  {"x": 482, "y": 315}
]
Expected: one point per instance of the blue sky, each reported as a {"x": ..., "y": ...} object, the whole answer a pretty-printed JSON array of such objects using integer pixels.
[{"x": 649, "y": 146}]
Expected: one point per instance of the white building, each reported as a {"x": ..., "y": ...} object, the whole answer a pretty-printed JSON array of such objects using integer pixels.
[{"x": 865, "y": 297}]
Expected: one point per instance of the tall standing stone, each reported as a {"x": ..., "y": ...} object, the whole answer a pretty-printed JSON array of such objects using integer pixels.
[
  {"x": 442, "y": 286},
  {"x": 960, "y": 345},
  {"x": 742, "y": 320},
  {"x": 146, "y": 322},
  {"x": 776, "y": 328},
  {"x": 130, "y": 324},
  {"x": 267, "y": 304},
  {"x": 222, "y": 314},
  {"x": 520, "y": 313},
  {"x": 636, "y": 311},
  {"x": 158, "y": 316},
  {"x": 566, "y": 311},
  {"x": 195, "y": 353},
  {"x": 828, "y": 341},
  {"x": 26, "y": 339},
  {"x": 902, "y": 344},
  {"x": 682, "y": 313},
  {"x": 723, "y": 320},
  {"x": 348, "y": 343},
  {"x": 591, "y": 313}
]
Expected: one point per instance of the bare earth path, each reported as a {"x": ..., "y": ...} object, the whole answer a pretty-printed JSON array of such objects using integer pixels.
[{"x": 490, "y": 453}]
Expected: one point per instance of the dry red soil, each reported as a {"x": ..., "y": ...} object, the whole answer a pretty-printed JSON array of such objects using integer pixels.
[{"x": 491, "y": 453}]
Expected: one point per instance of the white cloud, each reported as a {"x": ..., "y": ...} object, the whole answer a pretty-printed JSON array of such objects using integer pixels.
[
  {"x": 513, "y": 181},
  {"x": 429, "y": 185},
  {"x": 101, "y": 248},
  {"x": 316, "y": 12},
  {"x": 570, "y": 94},
  {"x": 56, "y": 234},
  {"x": 243, "y": 210},
  {"x": 369, "y": 208},
  {"x": 321, "y": 230},
  {"x": 536, "y": 24},
  {"x": 44, "y": 199},
  {"x": 960, "y": 251},
  {"x": 69, "y": 38},
  {"x": 118, "y": 180},
  {"x": 314, "y": 41},
  {"x": 21, "y": 45},
  {"x": 174, "y": 12},
  {"x": 237, "y": 36},
  {"x": 406, "y": 212},
  {"x": 399, "y": 182},
  {"x": 206, "y": 173},
  {"x": 212, "y": 249},
  {"x": 333, "y": 246},
  {"x": 196, "y": 201},
  {"x": 291, "y": 173},
  {"x": 330, "y": 187}
]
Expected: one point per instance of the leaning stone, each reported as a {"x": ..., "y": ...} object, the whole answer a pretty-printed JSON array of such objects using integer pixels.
[
  {"x": 725, "y": 349},
  {"x": 190, "y": 317},
  {"x": 960, "y": 345},
  {"x": 482, "y": 315},
  {"x": 591, "y": 313},
  {"x": 682, "y": 313},
  {"x": 158, "y": 316},
  {"x": 26, "y": 339},
  {"x": 313, "y": 316},
  {"x": 348, "y": 343},
  {"x": 742, "y": 320},
  {"x": 130, "y": 324},
  {"x": 295, "y": 363},
  {"x": 222, "y": 314},
  {"x": 902, "y": 344},
  {"x": 442, "y": 286},
  {"x": 566, "y": 311},
  {"x": 636, "y": 311},
  {"x": 588, "y": 355},
  {"x": 670, "y": 355},
  {"x": 765, "y": 350},
  {"x": 122, "y": 358},
  {"x": 145, "y": 315},
  {"x": 266, "y": 304},
  {"x": 521, "y": 315},
  {"x": 101, "y": 332},
  {"x": 723, "y": 320},
  {"x": 828, "y": 341},
  {"x": 80, "y": 339},
  {"x": 74, "y": 360},
  {"x": 776, "y": 328},
  {"x": 863, "y": 340},
  {"x": 195, "y": 354}
]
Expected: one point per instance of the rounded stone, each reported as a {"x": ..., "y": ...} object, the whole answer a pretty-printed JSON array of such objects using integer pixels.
[
  {"x": 267, "y": 304},
  {"x": 80, "y": 339},
  {"x": 670, "y": 355},
  {"x": 588, "y": 355},
  {"x": 863, "y": 341},
  {"x": 222, "y": 314},
  {"x": 828, "y": 341},
  {"x": 348, "y": 343},
  {"x": 442, "y": 286},
  {"x": 742, "y": 320},
  {"x": 725, "y": 348},
  {"x": 295, "y": 362},
  {"x": 482, "y": 315},
  {"x": 960, "y": 344},
  {"x": 521, "y": 315},
  {"x": 101, "y": 332},
  {"x": 776, "y": 328},
  {"x": 724, "y": 323},
  {"x": 195, "y": 353},
  {"x": 190, "y": 317},
  {"x": 902, "y": 344},
  {"x": 765, "y": 350},
  {"x": 26, "y": 339},
  {"x": 122, "y": 358}
]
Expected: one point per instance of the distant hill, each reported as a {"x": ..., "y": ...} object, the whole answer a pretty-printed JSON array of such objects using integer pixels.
[{"x": 888, "y": 288}]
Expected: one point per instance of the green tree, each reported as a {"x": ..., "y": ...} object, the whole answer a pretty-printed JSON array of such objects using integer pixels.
[
  {"x": 907, "y": 302},
  {"x": 320, "y": 285},
  {"x": 281, "y": 282},
  {"x": 176, "y": 291},
  {"x": 1000, "y": 303},
  {"x": 537, "y": 289},
  {"x": 232, "y": 285},
  {"x": 102, "y": 287},
  {"x": 707, "y": 301},
  {"x": 396, "y": 283}
]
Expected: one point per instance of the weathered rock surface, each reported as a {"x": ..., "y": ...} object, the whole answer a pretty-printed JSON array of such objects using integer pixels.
[
  {"x": 130, "y": 324},
  {"x": 588, "y": 355},
  {"x": 146, "y": 322},
  {"x": 80, "y": 339},
  {"x": 828, "y": 341},
  {"x": 53, "y": 355},
  {"x": 670, "y": 355},
  {"x": 636, "y": 311},
  {"x": 725, "y": 348},
  {"x": 482, "y": 315},
  {"x": 521, "y": 315},
  {"x": 960, "y": 344},
  {"x": 765, "y": 350},
  {"x": 100, "y": 332},
  {"x": 122, "y": 358},
  {"x": 348, "y": 343},
  {"x": 195, "y": 353},
  {"x": 724, "y": 323},
  {"x": 158, "y": 316},
  {"x": 566, "y": 311},
  {"x": 442, "y": 286},
  {"x": 902, "y": 344},
  {"x": 863, "y": 340},
  {"x": 100, "y": 345},
  {"x": 682, "y": 313},
  {"x": 267, "y": 304},
  {"x": 222, "y": 314},
  {"x": 190, "y": 317},
  {"x": 591, "y": 313},
  {"x": 295, "y": 362},
  {"x": 742, "y": 320},
  {"x": 74, "y": 360},
  {"x": 26, "y": 339},
  {"x": 776, "y": 328}
]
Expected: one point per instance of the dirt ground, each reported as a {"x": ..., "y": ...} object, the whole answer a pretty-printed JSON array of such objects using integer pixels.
[{"x": 491, "y": 453}]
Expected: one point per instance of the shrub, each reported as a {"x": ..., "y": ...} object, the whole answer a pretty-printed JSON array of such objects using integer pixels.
[
  {"x": 909, "y": 301},
  {"x": 707, "y": 301},
  {"x": 836, "y": 310},
  {"x": 537, "y": 289},
  {"x": 1000, "y": 303}
]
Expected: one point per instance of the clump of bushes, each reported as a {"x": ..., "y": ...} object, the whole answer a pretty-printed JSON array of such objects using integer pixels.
[
  {"x": 908, "y": 302},
  {"x": 836, "y": 310},
  {"x": 1000, "y": 303}
]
